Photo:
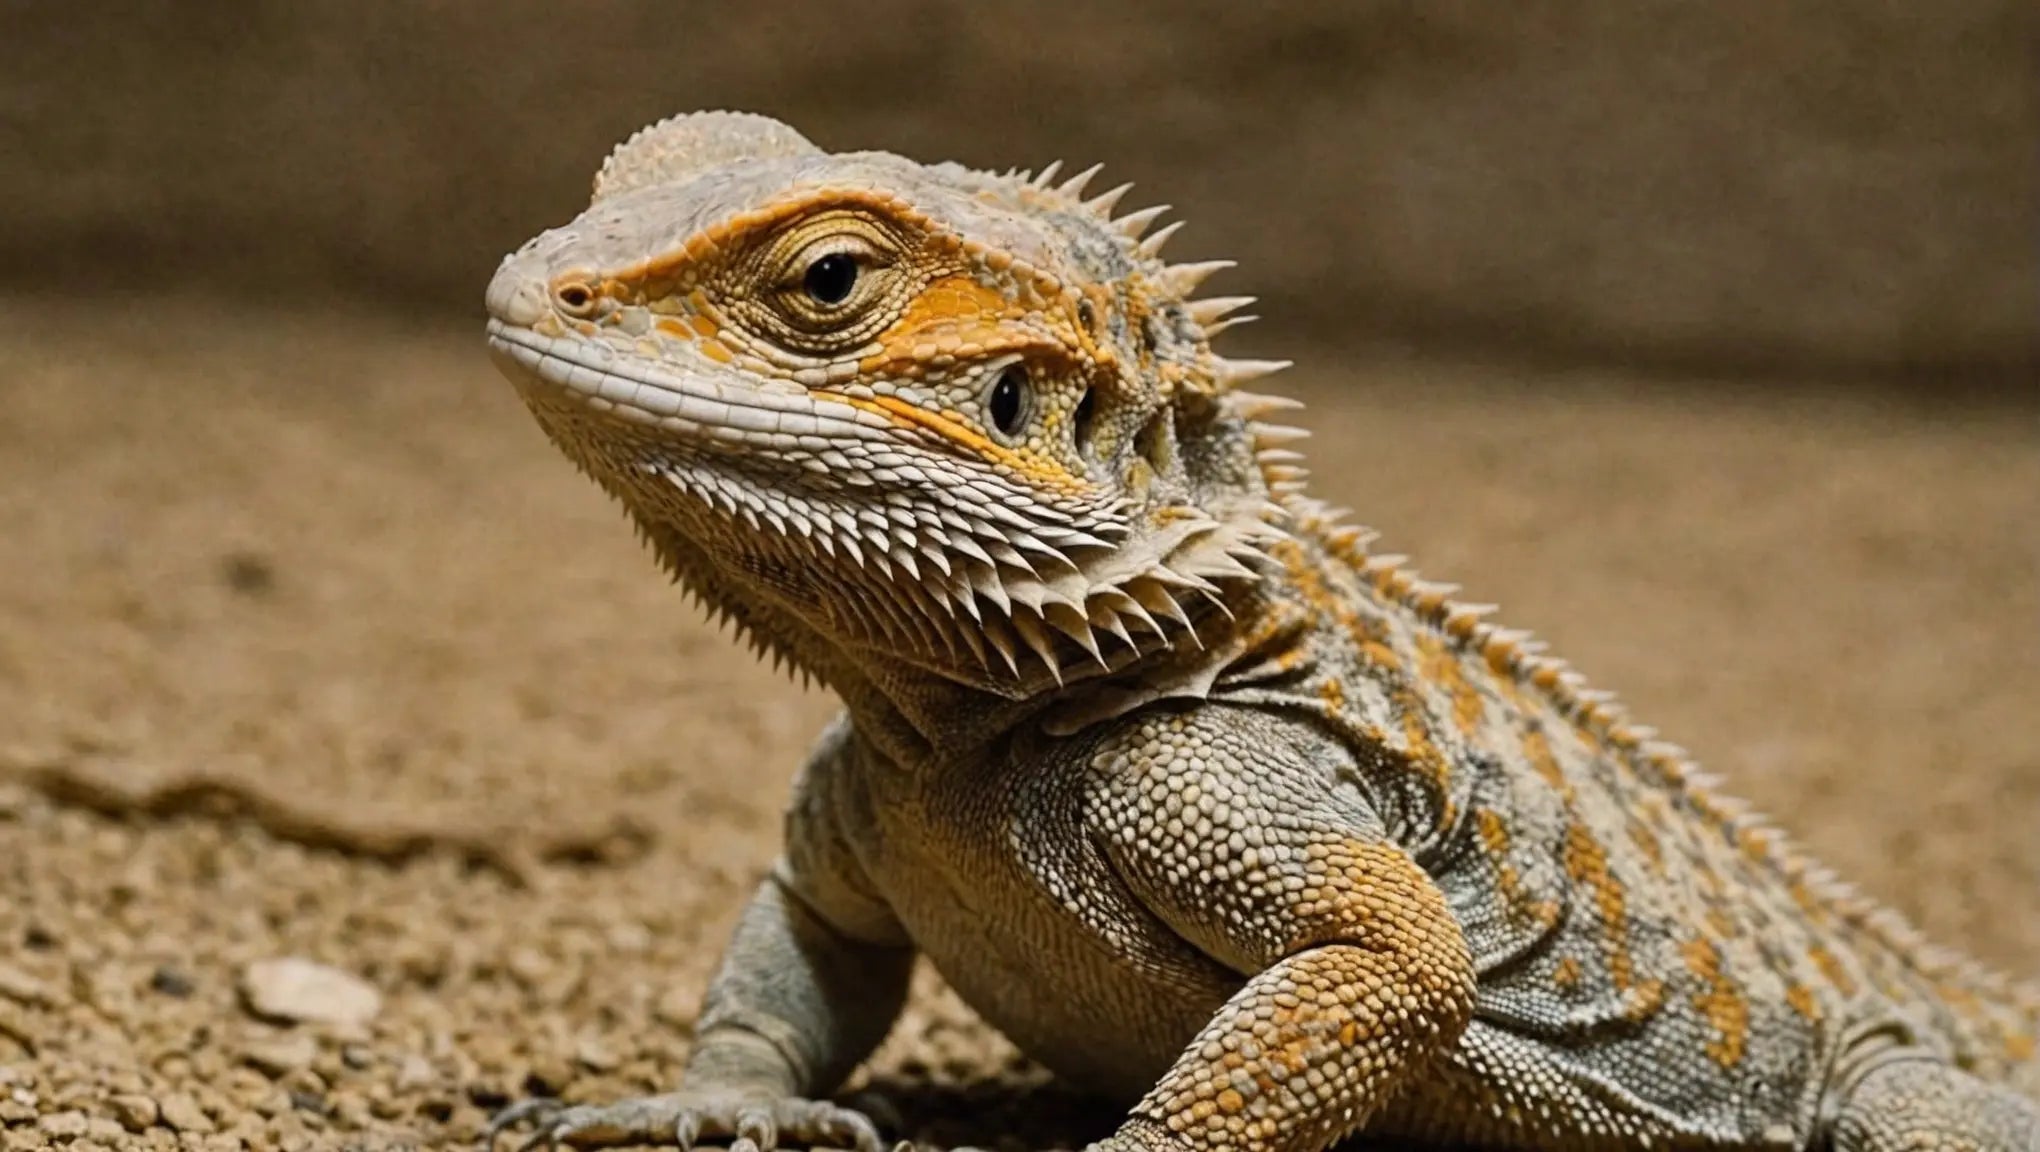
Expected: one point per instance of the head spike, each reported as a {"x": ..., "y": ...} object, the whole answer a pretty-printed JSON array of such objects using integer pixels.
[
  {"x": 1213, "y": 331},
  {"x": 1183, "y": 279},
  {"x": 1276, "y": 435},
  {"x": 1152, "y": 246},
  {"x": 1255, "y": 405},
  {"x": 1134, "y": 224},
  {"x": 1233, "y": 373},
  {"x": 1047, "y": 175},
  {"x": 1074, "y": 186},
  {"x": 1212, "y": 309},
  {"x": 1102, "y": 204}
]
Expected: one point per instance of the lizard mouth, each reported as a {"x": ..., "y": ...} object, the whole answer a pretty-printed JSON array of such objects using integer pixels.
[{"x": 683, "y": 404}]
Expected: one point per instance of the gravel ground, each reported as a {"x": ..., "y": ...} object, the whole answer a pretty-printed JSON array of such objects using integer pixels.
[{"x": 358, "y": 774}]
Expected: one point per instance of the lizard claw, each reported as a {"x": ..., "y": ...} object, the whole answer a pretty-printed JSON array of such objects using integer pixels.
[
  {"x": 677, "y": 1120},
  {"x": 516, "y": 1114}
]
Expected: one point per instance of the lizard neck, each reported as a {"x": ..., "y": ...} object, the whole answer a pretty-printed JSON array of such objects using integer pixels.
[{"x": 917, "y": 705}]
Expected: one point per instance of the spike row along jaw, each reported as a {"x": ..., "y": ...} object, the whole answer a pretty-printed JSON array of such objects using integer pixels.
[{"x": 811, "y": 380}]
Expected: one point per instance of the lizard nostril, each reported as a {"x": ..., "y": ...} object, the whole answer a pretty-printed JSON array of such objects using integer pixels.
[{"x": 574, "y": 298}]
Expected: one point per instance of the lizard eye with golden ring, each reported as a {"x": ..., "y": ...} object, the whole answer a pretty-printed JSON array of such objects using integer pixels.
[
  {"x": 1007, "y": 405},
  {"x": 830, "y": 278}
]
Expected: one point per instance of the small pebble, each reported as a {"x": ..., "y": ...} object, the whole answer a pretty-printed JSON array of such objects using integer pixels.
[
  {"x": 678, "y": 1007},
  {"x": 171, "y": 982},
  {"x": 299, "y": 990},
  {"x": 548, "y": 1075},
  {"x": 248, "y": 573},
  {"x": 135, "y": 1112},
  {"x": 183, "y": 1113},
  {"x": 629, "y": 939},
  {"x": 22, "y": 988},
  {"x": 414, "y": 1072},
  {"x": 282, "y": 1055},
  {"x": 308, "y": 1102},
  {"x": 63, "y": 1125},
  {"x": 109, "y": 991},
  {"x": 529, "y": 967},
  {"x": 593, "y": 1054}
]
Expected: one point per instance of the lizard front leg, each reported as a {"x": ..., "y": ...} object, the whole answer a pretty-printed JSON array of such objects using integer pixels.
[
  {"x": 1921, "y": 1104},
  {"x": 815, "y": 973},
  {"x": 793, "y": 1008},
  {"x": 1241, "y": 841}
]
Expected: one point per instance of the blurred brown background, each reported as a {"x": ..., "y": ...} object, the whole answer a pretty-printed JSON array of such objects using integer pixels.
[
  {"x": 1703, "y": 337},
  {"x": 1811, "y": 185}
]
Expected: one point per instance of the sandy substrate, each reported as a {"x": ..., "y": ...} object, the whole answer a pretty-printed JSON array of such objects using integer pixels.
[{"x": 310, "y": 646}]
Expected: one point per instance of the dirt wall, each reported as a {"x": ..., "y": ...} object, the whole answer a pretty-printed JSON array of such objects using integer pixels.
[{"x": 1810, "y": 185}]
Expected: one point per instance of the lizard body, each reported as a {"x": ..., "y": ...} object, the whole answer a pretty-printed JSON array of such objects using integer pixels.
[{"x": 1208, "y": 806}]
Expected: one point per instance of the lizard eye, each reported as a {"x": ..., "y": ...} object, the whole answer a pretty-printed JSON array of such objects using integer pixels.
[
  {"x": 829, "y": 279},
  {"x": 1007, "y": 404},
  {"x": 823, "y": 284}
]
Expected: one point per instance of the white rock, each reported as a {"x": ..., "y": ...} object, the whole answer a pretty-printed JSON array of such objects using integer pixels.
[{"x": 297, "y": 990}]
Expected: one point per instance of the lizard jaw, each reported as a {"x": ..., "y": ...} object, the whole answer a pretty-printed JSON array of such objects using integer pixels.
[{"x": 671, "y": 405}]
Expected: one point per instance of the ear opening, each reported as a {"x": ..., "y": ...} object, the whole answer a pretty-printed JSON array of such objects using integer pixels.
[
  {"x": 1156, "y": 441},
  {"x": 1084, "y": 421}
]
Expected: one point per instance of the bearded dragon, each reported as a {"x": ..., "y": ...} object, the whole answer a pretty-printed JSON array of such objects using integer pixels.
[{"x": 1209, "y": 806}]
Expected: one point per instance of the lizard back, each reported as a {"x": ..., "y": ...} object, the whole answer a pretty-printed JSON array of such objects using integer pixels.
[{"x": 1614, "y": 899}]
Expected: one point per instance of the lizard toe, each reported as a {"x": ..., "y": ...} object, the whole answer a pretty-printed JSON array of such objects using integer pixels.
[
  {"x": 680, "y": 1119},
  {"x": 541, "y": 1108}
]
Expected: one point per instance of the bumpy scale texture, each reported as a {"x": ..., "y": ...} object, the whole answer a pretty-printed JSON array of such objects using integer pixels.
[{"x": 1209, "y": 807}]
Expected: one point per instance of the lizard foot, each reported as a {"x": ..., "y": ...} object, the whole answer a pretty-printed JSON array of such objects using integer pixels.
[
  {"x": 1136, "y": 1136},
  {"x": 751, "y": 1123}
]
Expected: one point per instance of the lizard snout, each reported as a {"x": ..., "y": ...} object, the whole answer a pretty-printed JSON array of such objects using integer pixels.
[{"x": 518, "y": 292}]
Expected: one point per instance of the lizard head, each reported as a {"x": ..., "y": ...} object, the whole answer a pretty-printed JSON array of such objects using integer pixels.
[{"x": 897, "y": 413}]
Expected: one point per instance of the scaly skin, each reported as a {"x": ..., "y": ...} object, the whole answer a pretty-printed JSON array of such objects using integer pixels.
[{"x": 1208, "y": 807}]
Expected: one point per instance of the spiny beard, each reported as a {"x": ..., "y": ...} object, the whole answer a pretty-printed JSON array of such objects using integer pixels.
[{"x": 956, "y": 581}]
